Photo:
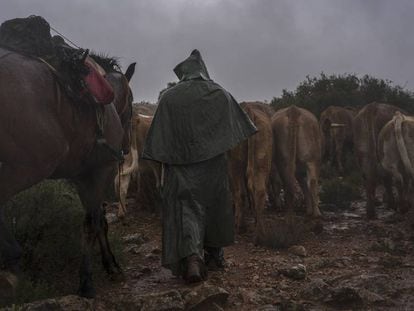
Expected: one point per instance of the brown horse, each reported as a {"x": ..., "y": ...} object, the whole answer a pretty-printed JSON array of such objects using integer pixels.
[{"x": 44, "y": 134}]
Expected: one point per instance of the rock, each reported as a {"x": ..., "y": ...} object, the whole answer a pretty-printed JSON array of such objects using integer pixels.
[
  {"x": 268, "y": 295},
  {"x": 168, "y": 300},
  {"x": 205, "y": 297},
  {"x": 269, "y": 308},
  {"x": 322, "y": 263},
  {"x": 250, "y": 296},
  {"x": 345, "y": 296},
  {"x": 43, "y": 305},
  {"x": 384, "y": 245},
  {"x": 67, "y": 303},
  {"x": 136, "y": 238},
  {"x": 214, "y": 307},
  {"x": 369, "y": 296},
  {"x": 111, "y": 218},
  {"x": 280, "y": 232},
  {"x": 74, "y": 303},
  {"x": 148, "y": 248},
  {"x": 317, "y": 289},
  {"x": 297, "y": 272},
  {"x": 288, "y": 305},
  {"x": 152, "y": 256},
  {"x": 133, "y": 249},
  {"x": 298, "y": 250},
  {"x": 389, "y": 261},
  {"x": 378, "y": 283},
  {"x": 156, "y": 251},
  {"x": 145, "y": 270}
]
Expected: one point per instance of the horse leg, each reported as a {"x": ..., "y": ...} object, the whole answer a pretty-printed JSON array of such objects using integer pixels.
[
  {"x": 91, "y": 192},
  {"x": 312, "y": 173},
  {"x": 121, "y": 190},
  {"x": 302, "y": 180},
  {"x": 388, "y": 189},
  {"x": 274, "y": 189},
  {"x": 289, "y": 181},
  {"x": 257, "y": 189},
  {"x": 237, "y": 182},
  {"x": 339, "y": 156},
  {"x": 370, "y": 187}
]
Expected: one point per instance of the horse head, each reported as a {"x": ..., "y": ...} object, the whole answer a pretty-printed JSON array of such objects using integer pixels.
[{"x": 123, "y": 101}]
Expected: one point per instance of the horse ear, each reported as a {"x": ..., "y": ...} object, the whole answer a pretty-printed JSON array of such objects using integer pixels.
[{"x": 130, "y": 71}]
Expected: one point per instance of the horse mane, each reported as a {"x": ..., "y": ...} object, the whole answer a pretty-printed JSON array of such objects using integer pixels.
[{"x": 108, "y": 63}]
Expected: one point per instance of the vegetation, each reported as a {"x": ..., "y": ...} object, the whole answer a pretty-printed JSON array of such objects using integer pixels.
[
  {"x": 47, "y": 221},
  {"x": 318, "y": 93}
]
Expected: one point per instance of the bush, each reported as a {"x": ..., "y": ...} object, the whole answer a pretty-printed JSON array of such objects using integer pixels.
[
  {"x": 28, "y": 290},
  {"x": 318, "y": 93},
  {"x": 47, "y": 221}
]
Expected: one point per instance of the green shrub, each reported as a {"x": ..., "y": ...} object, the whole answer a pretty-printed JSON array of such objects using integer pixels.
[
  {"x": 47, "y": 221},
  {"x": 28, "y": 290},
  {"x": 319, "y": 92}
]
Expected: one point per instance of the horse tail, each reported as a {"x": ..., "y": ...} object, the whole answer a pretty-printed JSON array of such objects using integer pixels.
[
  {"x": 373, "y": 142},
  {"x": 250, "y": 170},
  {"x": 293, "y": 116}
]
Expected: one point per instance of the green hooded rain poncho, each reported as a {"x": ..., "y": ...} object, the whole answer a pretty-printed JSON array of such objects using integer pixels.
[{"x": 196, "y": 122}]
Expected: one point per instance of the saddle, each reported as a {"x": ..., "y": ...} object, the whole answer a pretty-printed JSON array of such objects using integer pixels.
[{"x": 82, "y": 79}]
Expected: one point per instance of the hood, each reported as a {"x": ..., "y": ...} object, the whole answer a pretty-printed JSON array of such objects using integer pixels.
[{"x": 192, "y": 68}]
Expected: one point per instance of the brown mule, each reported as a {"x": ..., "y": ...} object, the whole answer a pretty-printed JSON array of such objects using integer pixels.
[{"x": 43, "y": 134}]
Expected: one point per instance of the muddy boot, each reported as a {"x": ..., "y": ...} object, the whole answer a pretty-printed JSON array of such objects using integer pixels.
[
  {"x": 195, "y": 269},
  {"x": 214, "y": 258}
]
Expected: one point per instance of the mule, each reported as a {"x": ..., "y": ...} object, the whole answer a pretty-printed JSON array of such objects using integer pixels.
[{"x": 44, "y": 134}]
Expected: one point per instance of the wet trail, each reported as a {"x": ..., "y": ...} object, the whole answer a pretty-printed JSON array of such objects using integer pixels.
[{"x": 351, "y": 264}]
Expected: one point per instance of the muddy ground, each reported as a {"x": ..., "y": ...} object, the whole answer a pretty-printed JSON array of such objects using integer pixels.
[{"x": 352, "y": 264}]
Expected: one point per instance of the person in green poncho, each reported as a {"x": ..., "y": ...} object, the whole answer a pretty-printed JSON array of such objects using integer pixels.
[{"x": 196, "y": 122}]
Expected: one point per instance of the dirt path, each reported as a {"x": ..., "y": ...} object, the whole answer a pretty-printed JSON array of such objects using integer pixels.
[{"x": 352, "y": 264}]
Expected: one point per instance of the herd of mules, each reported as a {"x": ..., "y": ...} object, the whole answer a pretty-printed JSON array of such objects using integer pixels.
[
  {"x": 287, "y": 152},
  {"x": 44, "y": 134}
]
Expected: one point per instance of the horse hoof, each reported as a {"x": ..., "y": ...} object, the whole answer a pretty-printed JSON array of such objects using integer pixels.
[{"x": 8, "y": 285}]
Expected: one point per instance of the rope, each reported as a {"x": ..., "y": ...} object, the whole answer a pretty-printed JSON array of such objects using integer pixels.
[
  {"x": 49, "y": 65},
  {"x": 67, "y": 39}
]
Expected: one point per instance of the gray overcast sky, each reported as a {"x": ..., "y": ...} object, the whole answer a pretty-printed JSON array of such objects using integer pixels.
[{"x": 254, "y": 48}]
